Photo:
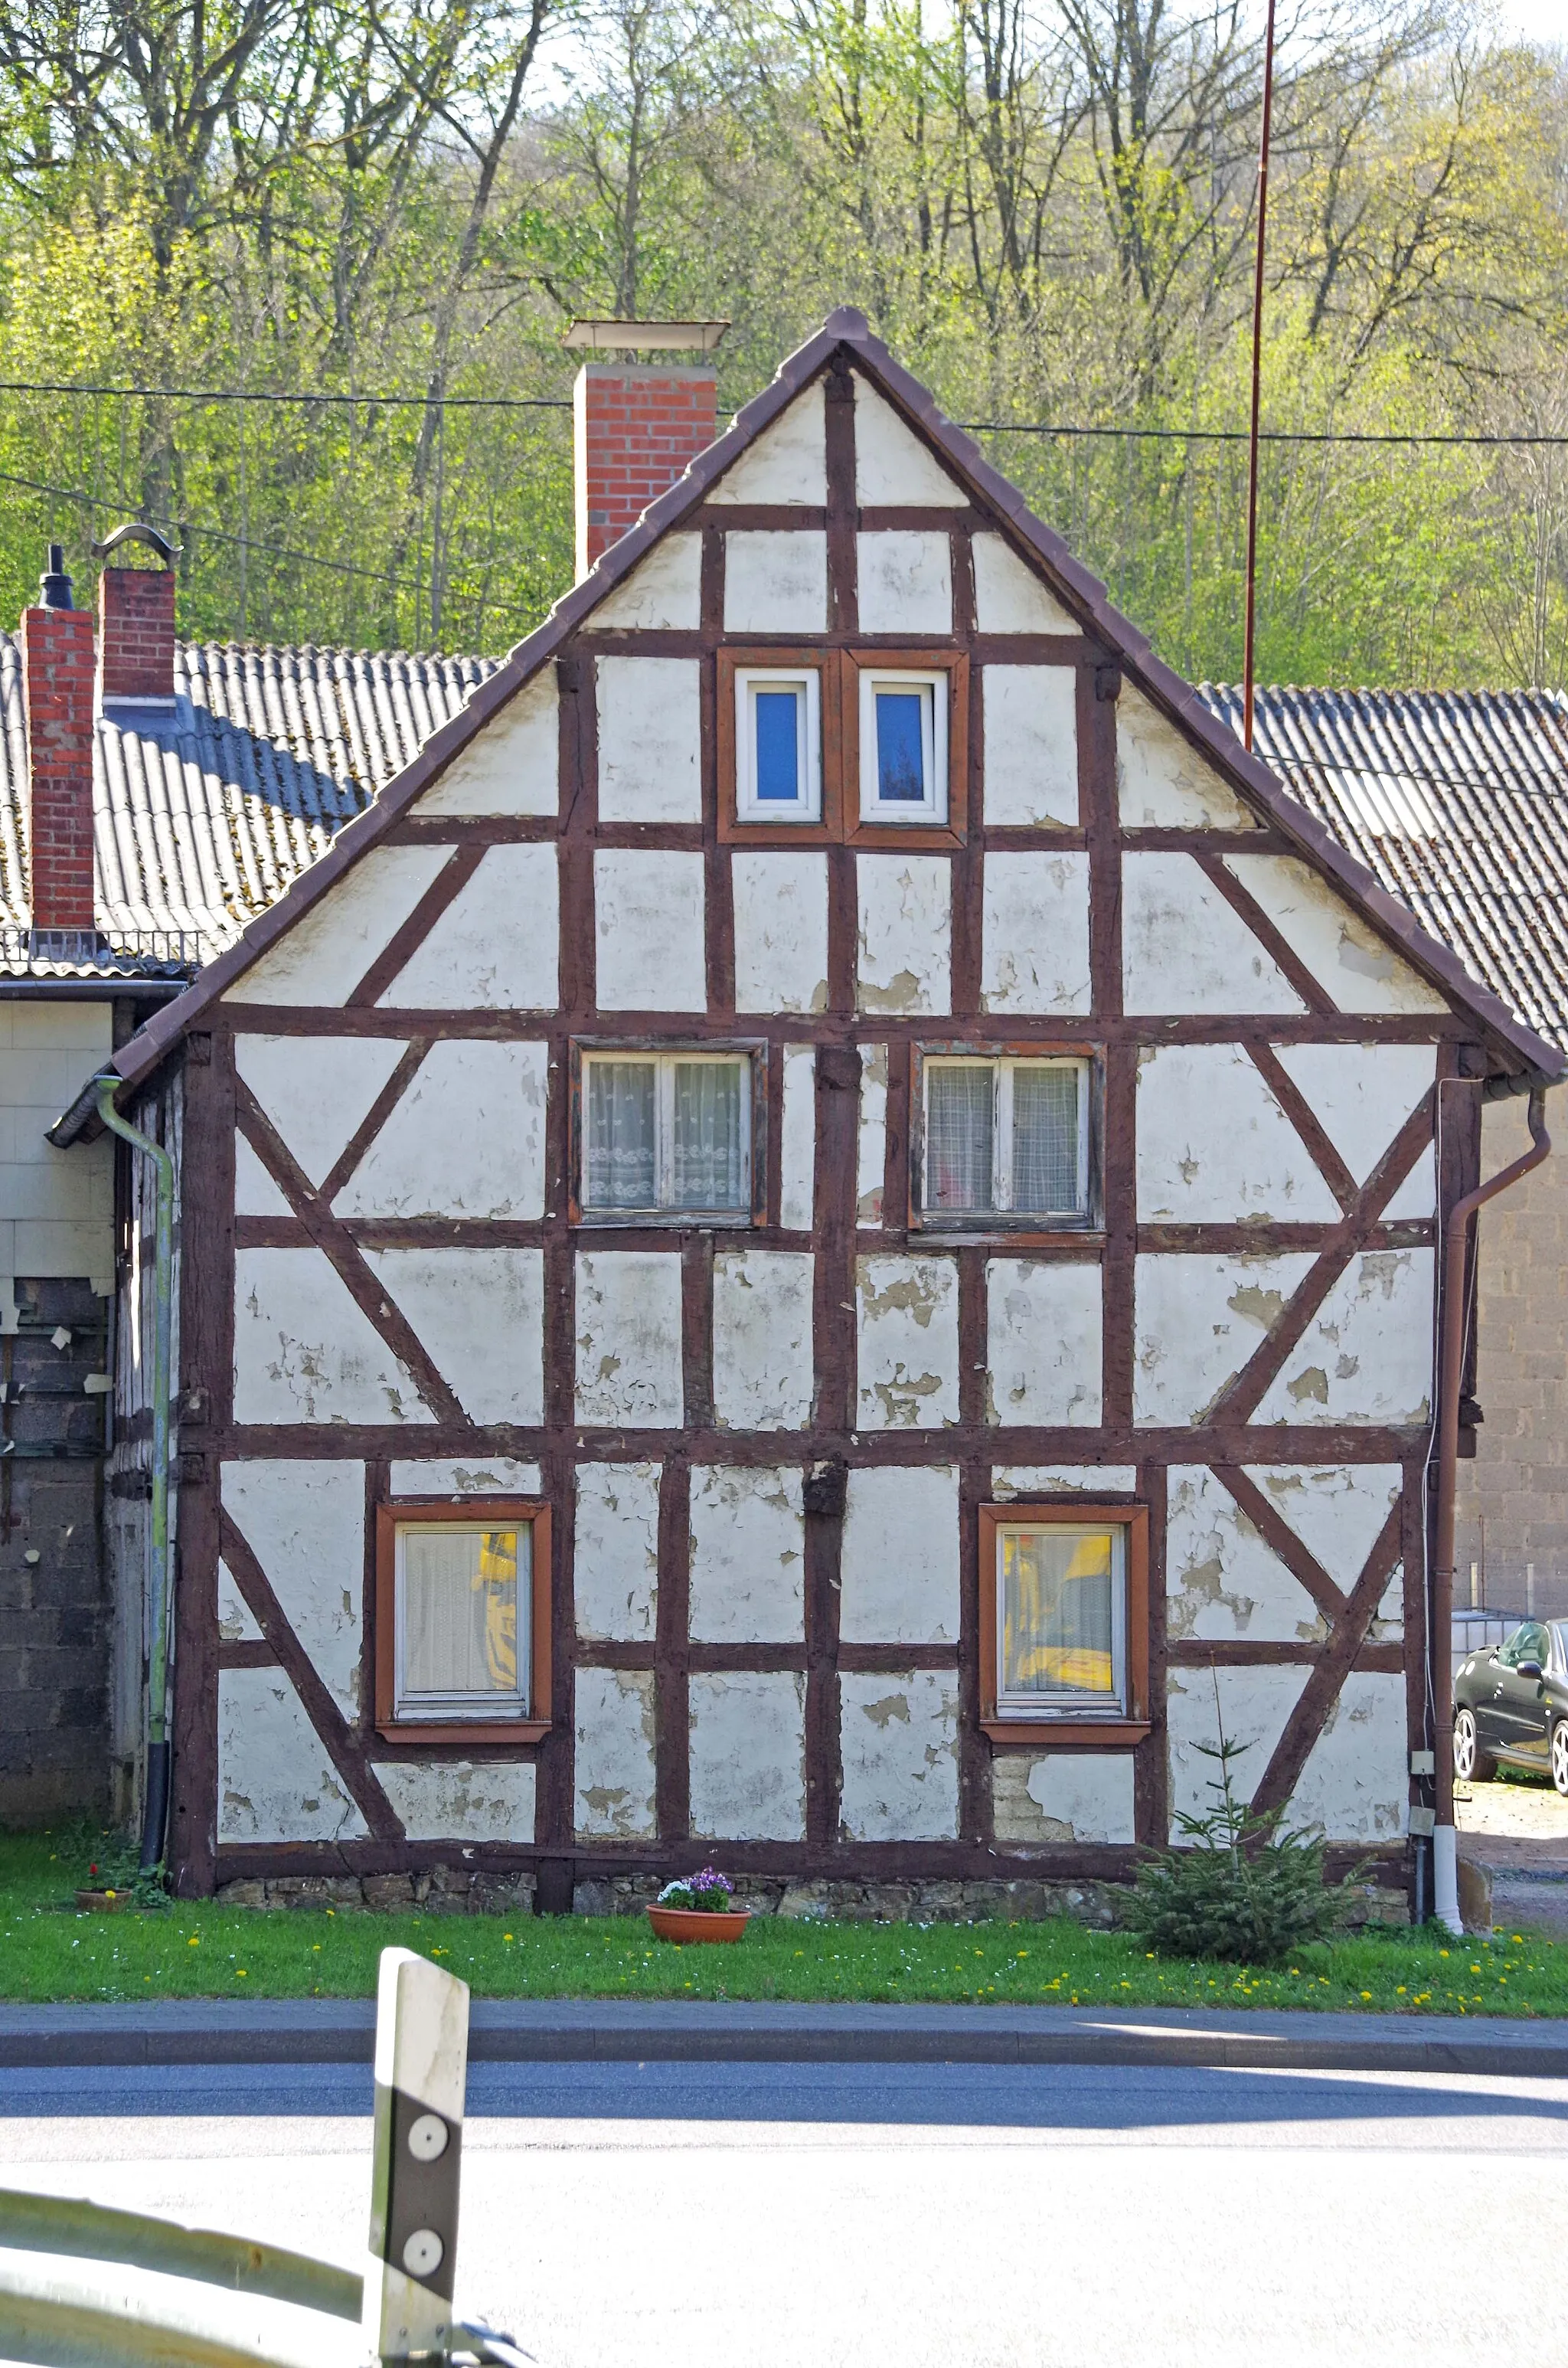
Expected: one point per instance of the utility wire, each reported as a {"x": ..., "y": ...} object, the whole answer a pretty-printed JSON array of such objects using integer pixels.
[{"x": 264, "y": 394}]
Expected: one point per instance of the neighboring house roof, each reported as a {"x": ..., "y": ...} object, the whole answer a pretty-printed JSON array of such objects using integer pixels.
[
  {"x": 1525, "y": 1051},
  {"x": 1456, "y": 803},
  {"x": 201, "y": 822}
]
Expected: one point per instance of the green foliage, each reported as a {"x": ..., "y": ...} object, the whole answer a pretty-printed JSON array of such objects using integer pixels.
[{"x": 1243, "y": 1887}]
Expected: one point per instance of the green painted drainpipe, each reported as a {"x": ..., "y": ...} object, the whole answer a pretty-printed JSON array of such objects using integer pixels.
[{"x": 156, "y": 1805}]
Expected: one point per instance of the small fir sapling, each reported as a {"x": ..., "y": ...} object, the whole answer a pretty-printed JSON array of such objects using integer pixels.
[{"x": 709, "y": 1891}]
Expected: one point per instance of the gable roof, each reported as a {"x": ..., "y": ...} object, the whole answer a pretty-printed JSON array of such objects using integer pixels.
[{"x": 844, "y": 331}]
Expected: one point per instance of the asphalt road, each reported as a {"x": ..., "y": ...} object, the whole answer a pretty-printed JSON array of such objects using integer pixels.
[{"x": 955, "y": 2217}]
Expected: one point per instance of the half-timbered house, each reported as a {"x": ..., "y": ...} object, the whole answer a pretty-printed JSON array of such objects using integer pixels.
[{"x": 814, "y": 1242}]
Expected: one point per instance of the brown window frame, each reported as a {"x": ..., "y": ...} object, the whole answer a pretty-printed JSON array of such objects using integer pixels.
[
  {"x": 1060, "y": 1731},
  {"x": 752, "y": 1049},
  {"x": 1017, "y": 1229},
  {"x": 463, "y": 1512},
  {"x": 839, "y": 672}
]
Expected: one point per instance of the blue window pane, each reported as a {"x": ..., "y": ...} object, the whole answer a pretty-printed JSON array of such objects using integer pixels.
[
  {"x": 900, "y": 760},
  {"x": 779, "y": 745}
]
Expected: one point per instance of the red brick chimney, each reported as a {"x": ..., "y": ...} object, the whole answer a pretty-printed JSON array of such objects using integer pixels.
[
  {"x": 636, "y": 429},
  {"x": 136, "y": 621},
  {"x": 57, "y": 695}
]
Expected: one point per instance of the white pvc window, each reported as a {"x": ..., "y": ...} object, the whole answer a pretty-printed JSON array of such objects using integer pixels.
[
  {"x": 463, "y": 1624},
  {"x": 1061, "y": 1620},
  {"x": 778, "y": 745},
  {"x": 903, "y": 747},
  {"x": 667, "y": 1131},
  {"x": 1006, "y": 1137}
]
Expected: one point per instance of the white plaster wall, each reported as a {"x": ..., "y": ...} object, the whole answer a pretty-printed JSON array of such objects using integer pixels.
[
  {"x": 904, "y": 582},
  {"x": 1214, "y": 1145},
  {"x": 616, "y": 1563},
  {"x": 466, "y": 1140},
  {"x": 255, "y": 1194},
  {"x": 1418, "y": 1196},
  {"x": 1044, "y": 1329},
  {"x": 650, "y": 713},
  {"x": 1336, "y": 1509},
  {"x": 237, "y": 1625},
  {"x": 798, "y": 1138},
  {"x": 900, "y": 1746},
  {"x": 275, "y": 1780},
  {"x": 899, "y": 1563},
  {"x": 780, "y": 930},
  {"x": 1343, "y": 954},
  {"x": 1360, "y": 1094},
  {"x": 497, "y": 946},
  {"x": 1009, "y": 597},
  {"x": 473, "y": 1476},
  {"x": 1063, "y": 1796},
  {"x": 457, "y": 1801},
  {"x": 787, "y": 462},
  {"x": 748, "y": 1544},
  {"x": 1029, "y": 1480},
  {"x": 1184, "y": 949},
  {"x": 479, "y": 1315},
  {"x": 56, "y": 1207},
  {"x": 905, "y": 933},
  {"x": 1253, "y": 1703},
  {"x": 1161, "y": 780},
  {"x": 775, "y": 583},
  {"x": 615, "y": 1770},
  {"x": 318, "y": 1091},
  {"x": 1031, "y": 744},
  {"x": 1222, "y": 1580},
  {"x": 663, "y": 593},
  {"x": 871, "y": 1135},
  {"x": 512, "y": 766},
  {"x": 648, "y": 929},
  {"x": 892, "y": 467},
  {"x": 1355, "y": 1784},
  {"x": 304, "y": 1521},
  {"x": 1197, "y": 1321},
  {"x": 1367, "y": 1355},
  {"x": 763, "y": 1375},
  {"x": 1035, "y": 932},
  {"x": 628, "y": 1339},
  {"x": 907, "y": 1342},
  {"x": 748, "y": 1734},
  {"x": 304, "y": 1353},
  {"x": 322, "y": 957}
]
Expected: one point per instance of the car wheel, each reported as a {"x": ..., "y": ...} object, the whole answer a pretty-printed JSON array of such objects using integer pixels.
[
  {"x": 1560, "y": 1757},
  {"x": 1472, "y": 1765}
]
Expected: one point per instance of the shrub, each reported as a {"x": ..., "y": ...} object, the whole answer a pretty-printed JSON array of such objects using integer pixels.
[{"x": 1240, "y": 1886}]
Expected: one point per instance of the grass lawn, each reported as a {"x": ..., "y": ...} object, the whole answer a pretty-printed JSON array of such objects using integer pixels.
[{"x": 47, "y": 1951}]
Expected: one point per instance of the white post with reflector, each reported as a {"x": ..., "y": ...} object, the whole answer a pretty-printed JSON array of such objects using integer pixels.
[{"x": 421, "y": 2075}]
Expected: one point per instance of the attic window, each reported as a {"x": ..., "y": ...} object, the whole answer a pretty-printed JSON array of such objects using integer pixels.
[
  {"x": 903, "y": 747},
  {"x": 1004, "y": 1141},
  {"x": 665, "y": 1135},
  {"x": 778, "y": 745}
]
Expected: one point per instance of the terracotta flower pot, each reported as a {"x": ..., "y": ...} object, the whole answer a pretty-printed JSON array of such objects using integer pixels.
[
  {"x": 103, "y": 1903},
  {"x": 698, "y": 1923}
]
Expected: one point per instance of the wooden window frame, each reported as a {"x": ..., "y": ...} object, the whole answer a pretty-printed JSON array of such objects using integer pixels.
[
  {"x": 752, "y": 1049},
  {"x": 463, "y": 1512},
  {"x": 1018, "y": 1231},
  {"x": 1053, "y": 1730},
  {"x": 778, "y": 830},
  {"x": 871, "y": 833}
]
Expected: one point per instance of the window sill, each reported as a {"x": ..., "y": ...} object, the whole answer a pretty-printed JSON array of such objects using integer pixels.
[
  {"x": 1068, "y": 1734},
  {"x": 478, "y": 1730},
  {"x": 1024, "y": 1232},
  {"x": 638, "y": 1221}
]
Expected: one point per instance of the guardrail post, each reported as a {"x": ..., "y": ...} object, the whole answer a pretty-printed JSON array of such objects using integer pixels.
[{"x": 421, "y": 2075}]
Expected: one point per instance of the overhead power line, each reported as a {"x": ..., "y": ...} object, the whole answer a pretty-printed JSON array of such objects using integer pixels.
[
  {"x": 1239, "y": 435},
  {"x": 268, "y": 394}
]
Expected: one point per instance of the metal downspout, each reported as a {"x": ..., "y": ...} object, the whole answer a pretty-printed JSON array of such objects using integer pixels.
[
  {"x": 156, "y": 1805},
  {"x": 1445, "y": 1849}
]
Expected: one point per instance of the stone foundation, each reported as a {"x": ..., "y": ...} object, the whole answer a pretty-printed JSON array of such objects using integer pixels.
[{"x": 444, "y": 1891}]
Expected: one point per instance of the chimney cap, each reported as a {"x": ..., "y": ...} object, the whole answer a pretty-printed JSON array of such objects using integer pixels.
[
  {"x": 54, "y": 585},
  {"x": 137, "y": 531},
  {"x": 645, "y": 336}
]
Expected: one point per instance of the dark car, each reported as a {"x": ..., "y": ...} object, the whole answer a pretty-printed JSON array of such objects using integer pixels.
[{"x": 1511, "y": 1703}]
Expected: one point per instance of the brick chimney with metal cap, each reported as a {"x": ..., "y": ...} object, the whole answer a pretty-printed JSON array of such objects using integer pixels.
[
  {"x": 136, "y": 621},
  {"x": 57, "y": 697},
  {"x": 637, "y": 425}
]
